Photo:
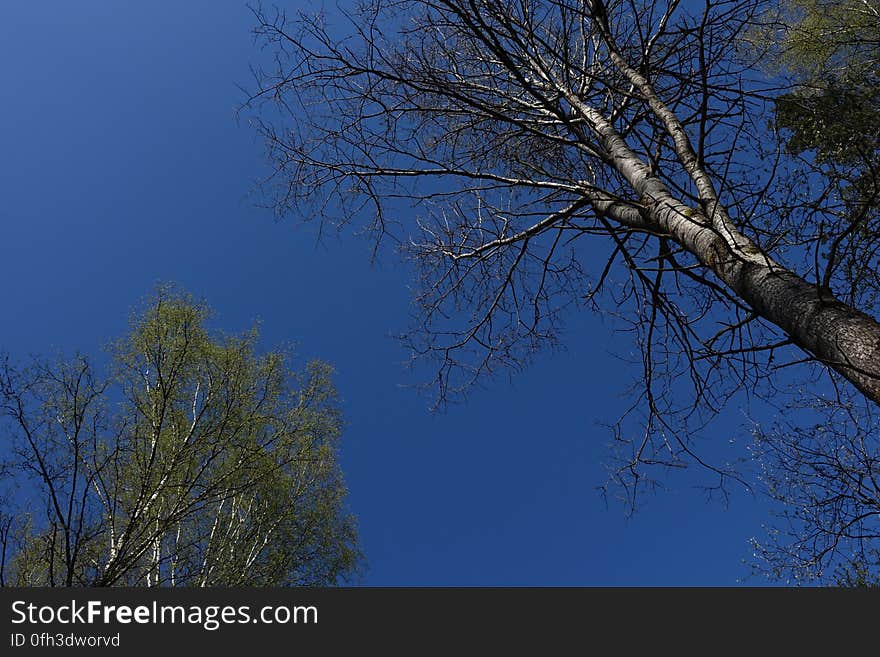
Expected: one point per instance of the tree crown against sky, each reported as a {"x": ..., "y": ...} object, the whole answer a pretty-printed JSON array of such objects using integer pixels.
[
  {"x": 544, "y": 124},
  {"x": 493, "y": 141},
  {"x": 195, "y": 461}
]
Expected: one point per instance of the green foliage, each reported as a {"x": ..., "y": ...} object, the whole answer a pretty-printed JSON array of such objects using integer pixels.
[
  {"x": 840, "y": 122},
  {"x": 818, "y": 38},
  {"x": 860, "y": 573},
  {"x": 831, "y": 49},
  {"x": 197, "y": 462},
  {"x": 828, "y": 51}
]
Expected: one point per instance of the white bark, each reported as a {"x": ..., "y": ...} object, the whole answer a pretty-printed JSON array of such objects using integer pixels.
[{"x": 842, "y": 337}]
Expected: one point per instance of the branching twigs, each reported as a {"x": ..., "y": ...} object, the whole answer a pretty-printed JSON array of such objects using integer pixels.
[{"x": 480, "y": 133}]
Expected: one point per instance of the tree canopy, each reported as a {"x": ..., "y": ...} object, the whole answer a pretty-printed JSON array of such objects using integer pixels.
[
  {"x": 195, "y": 461},
  {"x": 630, "y": 156}
]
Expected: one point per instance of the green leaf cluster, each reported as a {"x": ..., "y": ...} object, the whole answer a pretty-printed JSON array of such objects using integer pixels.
[{"x": 198, "y": 462}]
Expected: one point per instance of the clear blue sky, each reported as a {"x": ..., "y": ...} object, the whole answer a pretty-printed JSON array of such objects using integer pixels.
[{"x": 122, "y": 164}]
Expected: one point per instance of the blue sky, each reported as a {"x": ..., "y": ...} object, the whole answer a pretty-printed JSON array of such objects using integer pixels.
[{"x": 123, "y": 165}]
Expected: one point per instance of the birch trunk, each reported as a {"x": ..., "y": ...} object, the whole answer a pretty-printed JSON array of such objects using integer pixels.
[{"x": 840, "y": 336}]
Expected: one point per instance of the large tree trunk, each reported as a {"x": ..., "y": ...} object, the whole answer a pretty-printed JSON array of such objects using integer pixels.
[{"x": 840, "y": 336}]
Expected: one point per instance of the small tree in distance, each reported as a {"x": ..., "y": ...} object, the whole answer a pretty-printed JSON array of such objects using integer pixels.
[{"x": 195, "y": 462}]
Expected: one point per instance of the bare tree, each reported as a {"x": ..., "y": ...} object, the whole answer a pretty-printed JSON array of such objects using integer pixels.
[
  {"x": 824, "y": 470},
  {"x": 196, "y": 463},
  {"x": 514, "y": 129},
  {"x": 489, "y": 139}
]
